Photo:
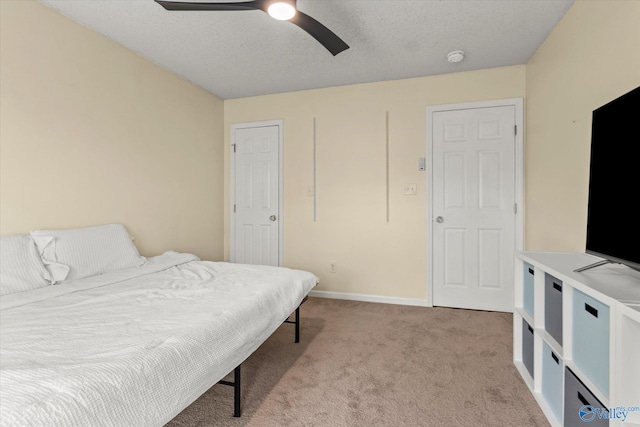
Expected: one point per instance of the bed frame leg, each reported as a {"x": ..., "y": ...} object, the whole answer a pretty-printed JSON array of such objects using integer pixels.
[
  {"x": 296, "y": 321},
  {"x": 236, "y": 390},
  {"x": 297, "y": 325}
]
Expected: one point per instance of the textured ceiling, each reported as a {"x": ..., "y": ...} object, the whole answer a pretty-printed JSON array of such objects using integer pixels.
[{"x": 246, "y": 53}]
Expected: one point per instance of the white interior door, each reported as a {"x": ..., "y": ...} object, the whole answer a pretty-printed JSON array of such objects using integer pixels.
[
  {"x": 256, "y": 210},
  {"x": 474, "y": 207}
]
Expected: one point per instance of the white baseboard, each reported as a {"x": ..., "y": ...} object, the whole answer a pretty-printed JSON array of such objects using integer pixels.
[{"x": 370, "y": 298}]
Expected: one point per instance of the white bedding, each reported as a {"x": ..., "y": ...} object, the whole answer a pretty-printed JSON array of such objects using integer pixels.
[{"x": 135, "y": 347}]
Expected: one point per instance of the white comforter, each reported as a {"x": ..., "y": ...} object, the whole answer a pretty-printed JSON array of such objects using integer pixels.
[{"x": 136, "y": 347}]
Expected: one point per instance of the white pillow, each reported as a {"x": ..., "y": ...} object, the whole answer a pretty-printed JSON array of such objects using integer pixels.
[
  {"x": 86, "y": 251},
  {"x": 21, "y": 268}
]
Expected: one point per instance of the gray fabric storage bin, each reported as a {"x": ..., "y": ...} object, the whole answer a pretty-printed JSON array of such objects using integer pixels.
[
  {"x": 553, "y": 307},
  {"x": 527, "y": 346},
  {"x": 576, "y": 397}
]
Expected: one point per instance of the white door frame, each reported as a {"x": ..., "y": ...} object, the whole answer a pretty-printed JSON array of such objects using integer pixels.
[
  {"x": 232, "y": 182},
  {"x": 519, "y": 174}
]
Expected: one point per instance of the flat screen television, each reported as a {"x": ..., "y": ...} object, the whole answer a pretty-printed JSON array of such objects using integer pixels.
[{"x": 613, "y": 222}]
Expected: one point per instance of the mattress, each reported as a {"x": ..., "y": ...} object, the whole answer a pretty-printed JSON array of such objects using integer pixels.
[{"x": 137, "y": 346}]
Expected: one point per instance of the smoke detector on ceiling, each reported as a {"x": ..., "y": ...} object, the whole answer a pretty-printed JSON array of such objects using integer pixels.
[{"x": 455, "y": 56}]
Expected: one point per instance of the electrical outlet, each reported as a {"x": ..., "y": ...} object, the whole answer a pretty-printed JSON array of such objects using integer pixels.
[
  {"x": 411, "y": 189},
  {"x": 333, "y": 267}
]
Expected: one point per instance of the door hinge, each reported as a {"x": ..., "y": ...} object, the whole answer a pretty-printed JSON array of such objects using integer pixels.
[
  {"x": 515, "y": 208},
  {"x": 234, "y": 147},
  {"x": 515, "y": 129},
  {"x": 234, "y": 208}
]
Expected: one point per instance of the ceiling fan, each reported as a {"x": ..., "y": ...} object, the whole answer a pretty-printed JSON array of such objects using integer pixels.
[{"x": 284, "y": 10}]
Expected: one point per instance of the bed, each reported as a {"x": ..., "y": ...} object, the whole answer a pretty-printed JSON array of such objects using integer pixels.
[{"x": 131, "y": 345}]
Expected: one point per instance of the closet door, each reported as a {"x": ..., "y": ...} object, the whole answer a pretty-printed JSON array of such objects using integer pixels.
[
  {"x": 256, "y": 230},
  {"x": 473, "y": 207}
]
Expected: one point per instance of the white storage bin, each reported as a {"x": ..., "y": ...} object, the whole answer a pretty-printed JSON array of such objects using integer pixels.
[
  {"x": 527, "y": 289},
  {"x": 552, "y": 389},
  {"x": 591, "y": 339}
]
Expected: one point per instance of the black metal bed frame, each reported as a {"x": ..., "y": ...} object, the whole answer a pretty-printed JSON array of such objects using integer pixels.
[{"x": 236, "y": 383}]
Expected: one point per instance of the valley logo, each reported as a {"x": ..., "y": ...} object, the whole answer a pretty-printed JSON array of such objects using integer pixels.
[{"x": 589, "y": 413}]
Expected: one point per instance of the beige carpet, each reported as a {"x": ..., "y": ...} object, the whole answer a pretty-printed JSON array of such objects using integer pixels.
[{"x": 366, "y": 364}]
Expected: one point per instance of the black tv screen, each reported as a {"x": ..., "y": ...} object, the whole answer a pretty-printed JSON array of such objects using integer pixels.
[{"x": 613, "y": 223}]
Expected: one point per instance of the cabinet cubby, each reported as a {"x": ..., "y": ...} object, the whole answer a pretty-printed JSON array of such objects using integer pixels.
[{"x": 577, "y": 336}]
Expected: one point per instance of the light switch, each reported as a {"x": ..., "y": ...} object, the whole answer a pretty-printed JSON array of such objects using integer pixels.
[{"x": 411, "y": 189}]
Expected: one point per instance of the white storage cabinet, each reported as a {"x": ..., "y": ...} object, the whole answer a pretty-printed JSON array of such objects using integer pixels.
[{"x": 576, "y": 338}]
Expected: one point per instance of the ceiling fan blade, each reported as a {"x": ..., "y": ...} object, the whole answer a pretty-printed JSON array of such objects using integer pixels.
[
  {"x": 243, "y": 5},
  {"x": 325, "y": 36}
]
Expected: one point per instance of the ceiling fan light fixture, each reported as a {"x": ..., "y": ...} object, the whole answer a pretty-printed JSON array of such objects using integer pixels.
[
  {"x": 278, "y": 9},
  {"x": 282, "y": 10}
]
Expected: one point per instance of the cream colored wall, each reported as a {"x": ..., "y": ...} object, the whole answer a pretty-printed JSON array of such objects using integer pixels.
[
  {"x": 373, "y": 257},
  {"x": 92, "y": 133},
  {"x": 590, "y": 58}
]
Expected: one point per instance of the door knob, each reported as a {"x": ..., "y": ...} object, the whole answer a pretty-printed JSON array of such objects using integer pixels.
[
  {"x": 439, "y": 220},
  {"x": 273, "y": 217}
]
